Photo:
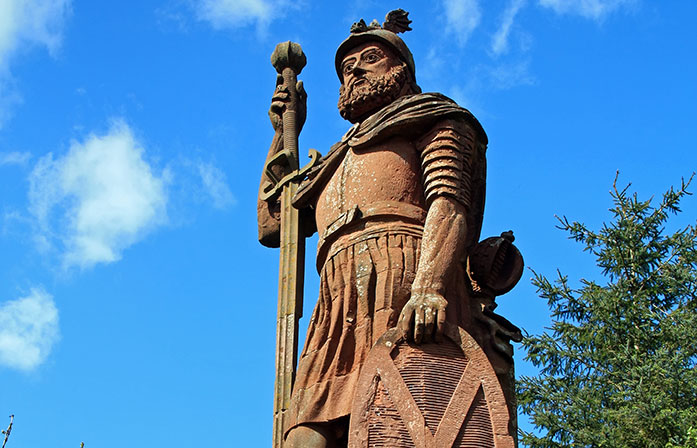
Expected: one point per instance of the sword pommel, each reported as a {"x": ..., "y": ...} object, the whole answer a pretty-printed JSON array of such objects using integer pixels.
[{"x": 288, "y": 55}]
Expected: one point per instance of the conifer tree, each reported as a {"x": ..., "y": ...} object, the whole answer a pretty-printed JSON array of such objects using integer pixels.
[{"x": 618, "y": 366}]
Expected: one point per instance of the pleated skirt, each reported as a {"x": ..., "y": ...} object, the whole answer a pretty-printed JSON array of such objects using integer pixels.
[{"x": 363, "y": 288}]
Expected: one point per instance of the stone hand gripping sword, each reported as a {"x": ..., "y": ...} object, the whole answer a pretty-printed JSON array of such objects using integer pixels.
[{"x": 288, "y": 60}]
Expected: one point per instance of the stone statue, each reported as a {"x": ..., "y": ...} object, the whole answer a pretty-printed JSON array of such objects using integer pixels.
[{"x": 398, "y": 205}]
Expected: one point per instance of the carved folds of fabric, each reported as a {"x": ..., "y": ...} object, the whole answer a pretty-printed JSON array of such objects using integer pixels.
[{"x": 447, "y": 155}]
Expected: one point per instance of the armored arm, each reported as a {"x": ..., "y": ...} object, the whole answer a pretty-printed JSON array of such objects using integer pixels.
[{"x": 447, "y": 155}]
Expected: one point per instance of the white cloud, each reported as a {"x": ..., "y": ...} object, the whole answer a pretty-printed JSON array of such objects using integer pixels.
[
  {"x": 14, "y": 158},
  {"x": 28, "y": 330},
  {"x": 462, "y": 17},
  {"x": 237, "y": 13},
  {"x": 465, "y": 96},
  {"x": 485, "y": 78},
  {"x": 509, "y": 75},
  {"x": 9, "y": 96},
  {"x": 499, "y": 43},
  {"x": 215, "y": 184},
  {"x": 590, "y": 9},
  {"x": 26, "y": 23},
  {"x": 98, "y": 199},
  {"x": 31, "y": 22},
  {"x": 432, "y": 69}
]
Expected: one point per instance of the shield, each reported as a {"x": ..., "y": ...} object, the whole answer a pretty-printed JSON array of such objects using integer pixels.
[{"x": 436, "y": 395}]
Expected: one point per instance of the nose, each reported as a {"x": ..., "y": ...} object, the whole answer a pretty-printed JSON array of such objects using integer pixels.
[{"x": 358, "y": 69}]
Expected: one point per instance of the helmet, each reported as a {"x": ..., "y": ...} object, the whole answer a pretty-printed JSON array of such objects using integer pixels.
[{"x": 395, "y": 22}]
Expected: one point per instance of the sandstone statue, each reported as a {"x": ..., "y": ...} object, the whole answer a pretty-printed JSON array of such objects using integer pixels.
[{"x": 403, "y": 347}]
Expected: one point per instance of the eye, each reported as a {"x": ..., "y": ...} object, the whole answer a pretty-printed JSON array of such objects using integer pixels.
[
  {"x": 371, "y": 58},
  {"x": 348, "y": 66}
]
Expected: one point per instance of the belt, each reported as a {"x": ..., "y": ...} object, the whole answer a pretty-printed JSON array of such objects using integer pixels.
[{"x": 356, "y": 218}]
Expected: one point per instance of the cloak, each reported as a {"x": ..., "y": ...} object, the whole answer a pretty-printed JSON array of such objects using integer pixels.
[{"x": 406, "y": 116}]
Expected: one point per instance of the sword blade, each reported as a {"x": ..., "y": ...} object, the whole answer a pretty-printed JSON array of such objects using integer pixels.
[{"x": 290, "y": 304}]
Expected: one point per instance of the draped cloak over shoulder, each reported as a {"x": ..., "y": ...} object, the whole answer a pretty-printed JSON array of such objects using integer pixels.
[{"x": 405, "y": 116}]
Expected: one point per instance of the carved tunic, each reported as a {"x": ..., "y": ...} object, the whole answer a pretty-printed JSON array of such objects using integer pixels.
[{"x": 370, "y": 199}]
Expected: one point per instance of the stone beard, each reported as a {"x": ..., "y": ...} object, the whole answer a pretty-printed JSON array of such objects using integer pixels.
[{"x": 375, "y": 92}]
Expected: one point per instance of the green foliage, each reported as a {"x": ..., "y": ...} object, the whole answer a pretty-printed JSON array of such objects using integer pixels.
[{"x": 618, "y": 367}]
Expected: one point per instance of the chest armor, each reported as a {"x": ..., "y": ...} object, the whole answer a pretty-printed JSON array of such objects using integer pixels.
[{"x": 389, "y": 171}]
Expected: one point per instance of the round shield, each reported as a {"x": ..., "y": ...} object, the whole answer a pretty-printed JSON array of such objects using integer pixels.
[{"x": 436, "y": 395}]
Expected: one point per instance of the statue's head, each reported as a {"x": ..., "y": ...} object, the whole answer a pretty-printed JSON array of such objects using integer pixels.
[{"x": 375, "y": 67}]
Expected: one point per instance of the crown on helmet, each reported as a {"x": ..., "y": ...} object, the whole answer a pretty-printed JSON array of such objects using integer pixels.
[{"x": 396, "y": 21}]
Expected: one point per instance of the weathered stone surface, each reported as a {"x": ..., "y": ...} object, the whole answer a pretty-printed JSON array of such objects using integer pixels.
[
  {"x": 398, "y": 205},
  {"x": 435, "y": 395}
]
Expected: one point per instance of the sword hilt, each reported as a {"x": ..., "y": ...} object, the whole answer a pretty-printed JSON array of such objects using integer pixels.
[{"x": 288, "y": 59}]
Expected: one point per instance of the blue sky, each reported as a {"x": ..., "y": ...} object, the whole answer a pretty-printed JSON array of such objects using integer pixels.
[{"x": 136, "y": 306}]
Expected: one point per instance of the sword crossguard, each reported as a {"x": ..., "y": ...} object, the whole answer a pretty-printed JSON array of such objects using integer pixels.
[{"x": 272, "y": 188}]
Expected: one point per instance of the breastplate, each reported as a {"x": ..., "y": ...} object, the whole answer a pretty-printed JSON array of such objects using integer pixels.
[{"x": 389, "y": 171}]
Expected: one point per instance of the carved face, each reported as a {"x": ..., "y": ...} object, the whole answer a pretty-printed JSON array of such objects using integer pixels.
[
  {"x": 373, "y": 77},
  {"x": 371, "y": 58}
]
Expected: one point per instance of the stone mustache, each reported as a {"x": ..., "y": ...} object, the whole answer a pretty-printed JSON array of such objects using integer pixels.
[{"x": 403, "y": 347}]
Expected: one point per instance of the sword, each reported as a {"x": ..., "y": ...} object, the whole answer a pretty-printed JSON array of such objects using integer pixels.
[{"x": 288, "y": 60}]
